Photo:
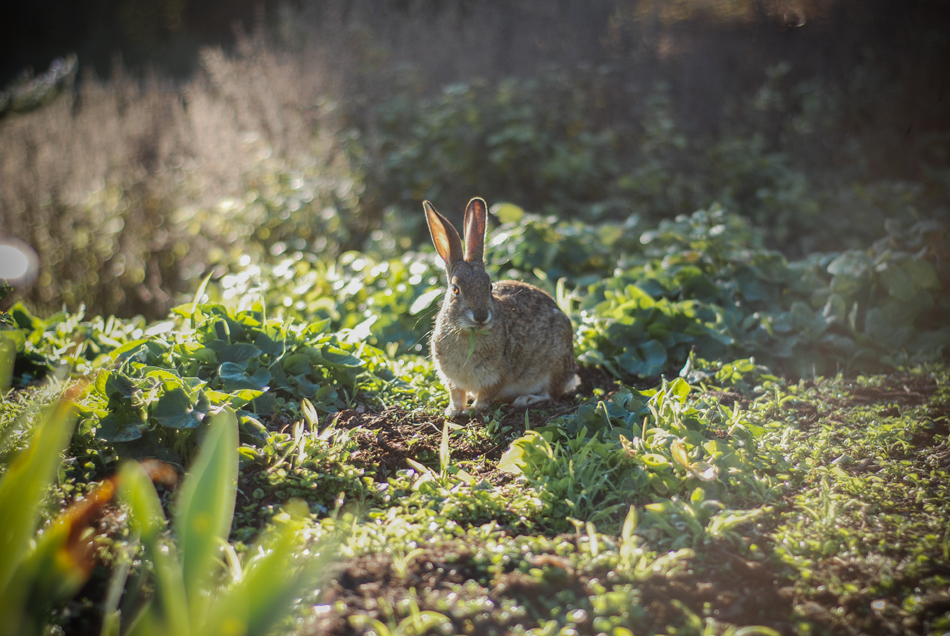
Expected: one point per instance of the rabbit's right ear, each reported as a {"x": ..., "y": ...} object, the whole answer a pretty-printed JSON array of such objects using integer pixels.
[
  {"x": 475, "y": 215},
  {"x": 445, "y": 237}
]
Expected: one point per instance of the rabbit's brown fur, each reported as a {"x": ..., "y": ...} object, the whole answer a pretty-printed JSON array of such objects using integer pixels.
[{"x": 524, "y": 343}]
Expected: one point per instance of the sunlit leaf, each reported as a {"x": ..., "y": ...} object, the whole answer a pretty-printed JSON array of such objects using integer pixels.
[
  {"x": 206, "y": 506},
  {"x": 424, "y": 301},
  {"x": 23, "y": 486},
  {"x": 168, "y": 611}
]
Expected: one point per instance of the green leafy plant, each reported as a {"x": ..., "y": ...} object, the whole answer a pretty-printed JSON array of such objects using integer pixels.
[
  {"x": 189, "y": 597},
  {"x": 416, "y": 623},
  {"x": 37, "y": 572},
  {"x": 654, "y": 442},
  {"x": 153, "y": 390},
  {"x": 704, "y": 283},
  {"x": 388, "y": 301}
]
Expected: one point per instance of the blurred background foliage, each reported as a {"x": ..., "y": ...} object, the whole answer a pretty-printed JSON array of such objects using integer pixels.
[{"x": 206, "y": 147}]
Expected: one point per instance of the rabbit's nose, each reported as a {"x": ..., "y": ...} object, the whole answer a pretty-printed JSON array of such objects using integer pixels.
[{"x": 481, "y": 316}]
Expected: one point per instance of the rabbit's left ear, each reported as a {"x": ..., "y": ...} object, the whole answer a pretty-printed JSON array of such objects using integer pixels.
[
  {"x": 475, "y": 214},
  {"x": 444, "y": 237}
]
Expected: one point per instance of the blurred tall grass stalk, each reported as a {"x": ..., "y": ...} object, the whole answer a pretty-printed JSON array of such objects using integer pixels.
[{"x": 129, "y": 189}]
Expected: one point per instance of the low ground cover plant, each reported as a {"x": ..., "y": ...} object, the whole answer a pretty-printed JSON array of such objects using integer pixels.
[{"x": 758, "y": 443}]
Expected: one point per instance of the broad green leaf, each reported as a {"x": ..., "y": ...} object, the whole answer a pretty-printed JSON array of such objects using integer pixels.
[
  {"x": 316, "y": 328},
  {"x": 512, "y": 461},
  {"x": 301, "y": 387},
  {"x": 624, "y": 334},
  {"x": 239, "y": 354},
  {"x": 652, "y": 356},
  {"x": 24, "y": 319},
  {"x": 169, "y": 379},
  {"x": 168, "y": 610},
  {"x": 638, "y": 298},
  {"x": 175, "y": 410},
  {"x": 8, "y": 351},
  {"x": 140, "y": 350},
  {"x": 530, "y": 447},
  {"x": 424, "y": 301},
  {"x": 808, "y": 320},
  {"x": 191, "y": 384},
  {"x": 24, "y": 485},
  {"x": 507, "y": 212},
  {"x": 893, "y": 322},
  {"x": 297, "y": 364},
  {"x": 268, "y": 345},
  {"x": 653, "y": 460},
  {"x": 234, "y": 377},
  {"x": 934, "y": 342},
  {"x": 852, "y": 264},
  {"x": 197, "y": 352},
  {"x": 114, "y": 383},
  {"x": 922, "y": 273},
  {"x": 261, "y": 377},
  {"x": 237, "y": 399},
  {"x": 14, "y": 336},
  {"x": 752, "y": 286},
  {"x": 277, "y": 574},
  {"x": 680, "y": 388},
  {"x": 124, "y": 426},
  {"x": 678, "y": 453},
  {"x": 898, "y": 282},
  {"x": 206, "y": 505},
  {"x": 836, "y": 309},
  {"x": 340, "y": 358}
]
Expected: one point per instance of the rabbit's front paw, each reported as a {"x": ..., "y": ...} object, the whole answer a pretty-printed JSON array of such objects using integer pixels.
[
  {"x": 457, "y": 400},
  {"x": 471, "y": 412}
]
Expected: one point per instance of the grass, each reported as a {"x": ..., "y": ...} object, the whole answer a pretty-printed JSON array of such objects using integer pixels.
[
  {"x": 836, "y": 543},
  {"x": 683, "y": 490},
  {"x": 820, "y": 507}
]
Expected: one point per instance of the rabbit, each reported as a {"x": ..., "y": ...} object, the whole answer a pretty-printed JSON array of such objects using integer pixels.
[{"x": 524, "y": 345}]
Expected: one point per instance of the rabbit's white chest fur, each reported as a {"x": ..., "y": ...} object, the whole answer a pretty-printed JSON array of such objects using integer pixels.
[
  {"x": 469, "y": 380},
  {"x": 480, "y": 371},
  {"x": 469, "y": 373}
]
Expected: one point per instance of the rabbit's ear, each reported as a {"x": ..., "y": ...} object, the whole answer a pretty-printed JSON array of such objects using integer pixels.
[
  {"x": 475, "y": 213},
  {"x": 444, "y": 236}
]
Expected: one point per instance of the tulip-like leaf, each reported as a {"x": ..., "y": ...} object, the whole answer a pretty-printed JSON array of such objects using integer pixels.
[
  {"x": 272, "y": 579},
  {"x": 168, "y": 611},
  {"x": 21, "y": 491},
  {"x": 206, "y": 505}
]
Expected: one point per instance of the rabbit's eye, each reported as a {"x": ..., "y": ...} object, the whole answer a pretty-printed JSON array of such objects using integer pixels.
[{"x": 455, "y": 290}]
